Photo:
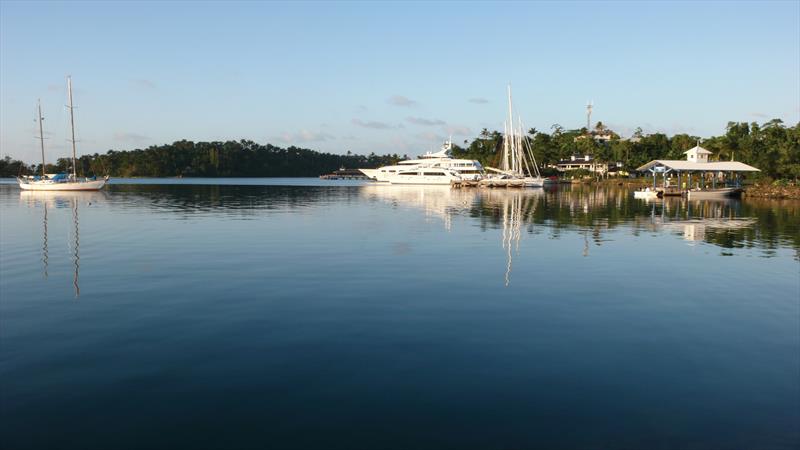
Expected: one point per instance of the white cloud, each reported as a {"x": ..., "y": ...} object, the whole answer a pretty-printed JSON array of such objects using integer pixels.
[
  {"x": 373, "y": 124},
  {"x": 426, "y": 122},
  {"x": 758, "y": 114},
  {"x": 143, "y": 83},
  {"x": 124, "y": 136},
  {"x": 304, "y": 136},
  {"x": 431, "y": 136},
  {"x": 478, "y": 100},
  {"x": 399, "y": 100},
  {"x": 400, "y": 144},
  {"x": 457, "y": 130}
]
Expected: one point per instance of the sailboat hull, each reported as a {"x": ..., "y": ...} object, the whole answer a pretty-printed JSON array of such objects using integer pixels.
[{"x": 95, "y": 185}]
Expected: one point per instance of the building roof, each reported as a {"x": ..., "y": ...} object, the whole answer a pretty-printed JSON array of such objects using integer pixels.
[
  {"x": 690, "y": 166},
  {"x": 577, "y": 161},
  {"x": 699, "y": 150}
]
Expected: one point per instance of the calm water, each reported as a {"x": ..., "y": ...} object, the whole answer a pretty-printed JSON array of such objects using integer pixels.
[{"x": 307, "y": 314}]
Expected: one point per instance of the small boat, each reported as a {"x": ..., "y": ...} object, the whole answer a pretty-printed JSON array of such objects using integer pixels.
[
  {"x": 61, "y": 181},
  {"x": 647, "y": 193},
  {"x": 726, "y": 192}
]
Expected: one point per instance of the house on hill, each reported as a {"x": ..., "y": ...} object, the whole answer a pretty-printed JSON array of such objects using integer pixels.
[
  {"x": 600, "y": 133},
  {"x": 586, "y": 163}
]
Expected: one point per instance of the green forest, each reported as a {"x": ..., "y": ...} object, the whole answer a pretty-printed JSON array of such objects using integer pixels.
[{"x": 771, "y": 146}]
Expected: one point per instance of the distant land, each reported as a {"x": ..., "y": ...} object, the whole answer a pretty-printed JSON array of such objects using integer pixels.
[{"x": 771, "y": 146}]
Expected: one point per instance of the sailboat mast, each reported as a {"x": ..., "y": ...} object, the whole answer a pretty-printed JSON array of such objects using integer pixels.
[
  {"x": 72, "y": 125},
  {"x": 41, "y": 133},
  {"x": 504, "y": 162},
  {"x": 510, "y": 132}
]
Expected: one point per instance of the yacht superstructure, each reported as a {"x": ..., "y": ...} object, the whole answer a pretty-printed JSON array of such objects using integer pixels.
[{"x": 438, "y": 165}]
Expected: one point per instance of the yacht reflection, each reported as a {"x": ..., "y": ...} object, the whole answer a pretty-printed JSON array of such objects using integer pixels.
[
  {"x": 510, "y": 208},
  {"x": 435, "y": 201},
  {"x": 48, "y": 200}
]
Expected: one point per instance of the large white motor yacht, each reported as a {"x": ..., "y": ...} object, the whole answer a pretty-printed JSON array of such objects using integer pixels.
[
  {"x": 424, "y": 175},
  {"x": 465, "y": 169}
]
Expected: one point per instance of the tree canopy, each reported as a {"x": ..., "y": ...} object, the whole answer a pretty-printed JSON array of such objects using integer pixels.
[{"x": 772, "y": 147}]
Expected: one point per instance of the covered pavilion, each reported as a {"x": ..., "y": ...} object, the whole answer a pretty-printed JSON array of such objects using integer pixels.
[{"x": 696, "y": 161}]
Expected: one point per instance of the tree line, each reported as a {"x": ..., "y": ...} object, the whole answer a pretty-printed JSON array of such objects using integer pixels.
[
  {"x": 771, "y": 146},
  {"x": 207, "y": 159}
]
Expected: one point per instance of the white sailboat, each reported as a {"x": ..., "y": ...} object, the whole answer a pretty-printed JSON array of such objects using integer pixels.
[
  {"x": 60, "y": 181},
  {"x": 518, "y": 162}
]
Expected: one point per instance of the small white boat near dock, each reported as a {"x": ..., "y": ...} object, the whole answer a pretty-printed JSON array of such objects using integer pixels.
[
  {"x": 727, "y": 192},
  {"x": 647, "y": 193}
]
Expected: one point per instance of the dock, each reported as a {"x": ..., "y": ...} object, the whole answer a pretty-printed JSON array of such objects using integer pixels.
[
  {"x": 344, "y": 174},
  {"x": 712, "y": 179},
  {"x": 487, "y": 183}
]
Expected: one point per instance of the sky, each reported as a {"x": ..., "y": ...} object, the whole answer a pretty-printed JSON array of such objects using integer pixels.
[{"x": 386, "y": 77}]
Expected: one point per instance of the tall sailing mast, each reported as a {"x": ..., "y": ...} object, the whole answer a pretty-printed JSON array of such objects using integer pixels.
[
  {"x": 72, "y": 125},
  {"x": 41, "y": 132},
  {"x": 510, "y": 133}
]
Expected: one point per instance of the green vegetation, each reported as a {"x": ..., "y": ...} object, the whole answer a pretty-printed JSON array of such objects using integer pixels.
[
  {"x": 208, "y": 159},
  {"x": 12, "y": 167},
  {"x": 772, "y": 147}
]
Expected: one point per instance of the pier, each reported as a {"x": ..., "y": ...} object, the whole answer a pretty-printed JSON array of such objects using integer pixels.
[
  {"x": 344, "y": 174},
  {"x": 488, "y": 183},
  {"x": 720, "y": 174}
]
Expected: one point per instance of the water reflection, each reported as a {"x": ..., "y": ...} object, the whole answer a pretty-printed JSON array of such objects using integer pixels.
[
  {"x": 62, "y": 200},
  {"x": 511, "y": 208},
  {"x": 75, "y": 248},
  {"x": 699, "y": 220},
  {"x": 233, "y": 201},
  {"x": 435, "y": 201},
  {"x": 44, "y": 243},
  {"x": 596, "y": 215},
  {"x": 306, "y": 279},
  {"x": 595, "y": 212}
]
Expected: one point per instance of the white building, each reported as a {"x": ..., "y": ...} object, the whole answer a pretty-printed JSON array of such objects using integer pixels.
[
  {"x": 697, "y": 154},
  {"x": 586, "y": 163}
]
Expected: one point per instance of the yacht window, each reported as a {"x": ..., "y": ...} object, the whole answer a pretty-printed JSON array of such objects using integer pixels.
[{"x": 434, "y": 173}]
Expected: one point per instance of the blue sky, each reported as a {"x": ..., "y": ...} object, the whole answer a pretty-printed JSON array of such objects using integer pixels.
[{"x": 386, "y": 77}]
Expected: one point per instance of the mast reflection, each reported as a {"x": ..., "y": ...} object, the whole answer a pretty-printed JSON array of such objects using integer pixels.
[
  {"x": 44, "y": 244},
  {"x": 508, "y": 208},
  {"x": 75, "y": 248},
  {"x": 61, "y": 200}
]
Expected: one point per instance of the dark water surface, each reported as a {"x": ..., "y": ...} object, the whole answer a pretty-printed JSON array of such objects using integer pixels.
[{"x": 245, "y": 315}]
